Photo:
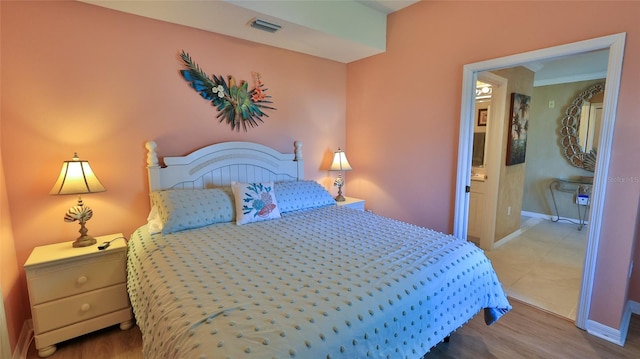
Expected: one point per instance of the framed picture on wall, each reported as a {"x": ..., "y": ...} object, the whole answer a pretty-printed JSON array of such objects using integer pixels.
[
  {"x": 482, "y": 117},
  {"x": 518, "y": 127}
]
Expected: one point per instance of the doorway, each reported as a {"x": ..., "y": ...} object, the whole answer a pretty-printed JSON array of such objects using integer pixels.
[
  {"x": 539, "y": 262},
  {"x": 493, "y": 148},
  {"x": 615, "y": 45}
]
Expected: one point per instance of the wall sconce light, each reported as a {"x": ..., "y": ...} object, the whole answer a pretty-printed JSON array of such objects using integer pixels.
[
  {"x": 339, "y": 164},
  {"x": 76, "y": 177},
  {"x": 484, "y": 92}
]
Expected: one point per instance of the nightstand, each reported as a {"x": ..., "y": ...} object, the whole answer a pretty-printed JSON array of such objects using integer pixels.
[
  {"x": 351, "y": 202},
  {"x": 74, "y": 291}
]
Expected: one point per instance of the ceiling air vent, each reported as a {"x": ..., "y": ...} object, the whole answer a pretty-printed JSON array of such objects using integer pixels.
[{"x": 264, "y": 25}]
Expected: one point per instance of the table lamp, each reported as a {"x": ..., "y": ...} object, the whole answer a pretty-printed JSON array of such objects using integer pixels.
[
  {"x": 76, "y": 177},
  {"x": 339, "y": 164}
]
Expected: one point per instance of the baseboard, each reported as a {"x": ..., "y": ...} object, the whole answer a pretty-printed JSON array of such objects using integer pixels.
[
  {"x": 519, "y": 231},
  {"x": 536, "y": 215},
  {"x": 24, "y": 341},
  {"x": 634, "y": 307},
  {"x": 507, "y": 238},
  {"x": 549, "y": 217},
  {"x": 616, "y": 336},
  {"x": 609, "y": 334}
]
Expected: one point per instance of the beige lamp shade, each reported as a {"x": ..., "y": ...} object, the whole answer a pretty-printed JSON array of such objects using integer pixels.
[
  {"x": 340, "y": 162},
  {"x": 76, "y": 177}
]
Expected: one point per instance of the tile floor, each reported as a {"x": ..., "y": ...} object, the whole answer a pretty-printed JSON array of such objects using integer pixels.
[{"x": 543, "y": 266}]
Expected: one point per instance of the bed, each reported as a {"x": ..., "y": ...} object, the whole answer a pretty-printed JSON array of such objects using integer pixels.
[{"x": 242, "y": 257}]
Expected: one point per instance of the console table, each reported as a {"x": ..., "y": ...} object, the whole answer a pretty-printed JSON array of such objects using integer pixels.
[{"x": 576, "y": 186}]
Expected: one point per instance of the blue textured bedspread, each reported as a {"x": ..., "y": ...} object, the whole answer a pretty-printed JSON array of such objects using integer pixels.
[{"x": 331, "y": 282}]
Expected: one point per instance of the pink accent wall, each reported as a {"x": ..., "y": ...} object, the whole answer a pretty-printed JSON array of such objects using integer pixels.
[
  {"x": 15, "y": 308},
  {"x": 77, "y": 77},
  {"x": 403, "y": 114}
]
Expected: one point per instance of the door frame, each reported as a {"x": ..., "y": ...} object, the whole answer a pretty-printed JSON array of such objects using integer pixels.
[{"x": 615, "y": 44}]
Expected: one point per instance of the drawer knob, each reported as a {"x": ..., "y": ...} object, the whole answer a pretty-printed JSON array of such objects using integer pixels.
[
  {"x": 82, "y": 280},
  {"x": 85, "y": 307}
]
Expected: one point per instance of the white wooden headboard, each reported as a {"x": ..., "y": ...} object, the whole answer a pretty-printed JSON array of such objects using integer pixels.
[{"x": 219, "y": 164}]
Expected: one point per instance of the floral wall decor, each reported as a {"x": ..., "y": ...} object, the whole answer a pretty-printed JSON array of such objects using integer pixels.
[{"x": 236, "y": 104}]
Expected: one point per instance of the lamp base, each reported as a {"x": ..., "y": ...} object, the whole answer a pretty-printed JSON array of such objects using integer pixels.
[
  {"x": 339, "y": 197},
  {"x": 84, "y": 241}
]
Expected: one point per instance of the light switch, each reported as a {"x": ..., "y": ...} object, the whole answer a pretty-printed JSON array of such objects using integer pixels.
[{"x": 552, "y": 104}]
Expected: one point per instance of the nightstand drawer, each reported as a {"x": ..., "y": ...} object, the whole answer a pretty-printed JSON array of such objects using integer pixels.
[
  {"x": 57, "y": 281},
  {"x": 60, "y": 313}
]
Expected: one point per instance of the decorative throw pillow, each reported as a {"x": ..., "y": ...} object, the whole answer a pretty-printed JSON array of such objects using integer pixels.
[
  {"x": 182, "y": 209},
  {"x": 255, "y": 202},
  {"x": 298, "y": 195}
]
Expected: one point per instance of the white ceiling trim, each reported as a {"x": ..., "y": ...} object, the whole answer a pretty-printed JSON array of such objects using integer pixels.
[{"x": 338, "y": 30}]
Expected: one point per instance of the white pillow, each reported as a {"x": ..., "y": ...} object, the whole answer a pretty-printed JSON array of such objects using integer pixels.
[
  {"x": 182, "y": 209},
  {"x": 255, "y": 202},
  {"x": 298, "y": 195}
]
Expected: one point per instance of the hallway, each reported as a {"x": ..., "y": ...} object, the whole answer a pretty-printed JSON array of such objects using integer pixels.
[{"x": 543, "y": 266}]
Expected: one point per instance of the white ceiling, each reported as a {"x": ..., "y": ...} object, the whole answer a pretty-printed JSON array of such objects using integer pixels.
[
  {"x": 581, "y": 67},
  {"x": 339, "y": 30},
  {"x": 344, "y": 30}
]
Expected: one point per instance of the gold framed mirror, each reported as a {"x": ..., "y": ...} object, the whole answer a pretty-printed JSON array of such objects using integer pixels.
[{"x": 573, "y": 124}]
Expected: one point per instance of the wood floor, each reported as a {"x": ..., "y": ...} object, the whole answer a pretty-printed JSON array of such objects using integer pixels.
[{"x": 525, "y": 332}]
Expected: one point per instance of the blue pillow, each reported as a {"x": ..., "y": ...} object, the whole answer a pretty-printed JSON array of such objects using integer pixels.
[
  {"x": 181, "y": 209},
  {"x": 298, "y": 195}
]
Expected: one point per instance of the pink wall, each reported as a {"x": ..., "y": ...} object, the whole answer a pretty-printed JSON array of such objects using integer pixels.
[
  {"x": 404, "y": 110},
  {"x": 14, "y": 305},
  {"x": 77, "y": 77},
  {"x": 79, "y": 82}
]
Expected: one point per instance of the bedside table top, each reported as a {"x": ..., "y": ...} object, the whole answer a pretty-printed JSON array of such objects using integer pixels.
[
  {"x": 63, "y": 251},
  {"x": 350, "y": 200}
]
